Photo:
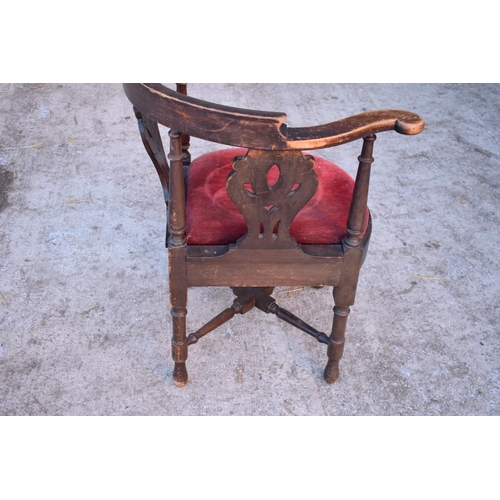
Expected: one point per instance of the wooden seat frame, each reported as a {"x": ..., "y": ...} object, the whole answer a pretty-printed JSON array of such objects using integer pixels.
[{"x": 267, "y": 256}]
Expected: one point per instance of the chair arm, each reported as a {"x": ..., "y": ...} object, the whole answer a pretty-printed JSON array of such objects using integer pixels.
[
  {"x": 354, "y": 127},
  {"x": 258, "y": 129}
]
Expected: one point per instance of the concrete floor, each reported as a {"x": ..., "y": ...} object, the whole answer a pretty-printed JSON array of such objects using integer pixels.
[{"x": 84, "y": 314}]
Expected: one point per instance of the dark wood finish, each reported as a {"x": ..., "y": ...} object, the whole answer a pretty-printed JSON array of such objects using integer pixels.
[
  {"x": 212, "y": 122},
  {"x": 267, "y": 304},
  {"x": 265, "y": 267},
  {"x": 357, "y": 210},
  {"x": 259, "y": 129},
  {"x": 153, "y": 144},
  {"x": 151, "y": 138},
  {"x": 271, "y": 208},
  {"x": 177, "y": 250},
  {"x": 186, "y": 161},
  {"x": 267, "y": 256}
]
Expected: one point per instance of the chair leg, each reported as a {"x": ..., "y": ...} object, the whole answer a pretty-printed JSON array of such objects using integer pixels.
[
  {"x": 178, "y": 302},
  {"x": 343, "y": 296},
  {"x": 179, "y": 345},
  {"x": 336, "y": 342}
]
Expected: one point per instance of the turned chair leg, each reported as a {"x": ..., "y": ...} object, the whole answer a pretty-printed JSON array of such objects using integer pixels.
[
  {"x": 177, "y": 257},
  {"x": 179, "y": 345},
  {"x": 178, "y": 302},
  {"x": 336, "y": 343}
]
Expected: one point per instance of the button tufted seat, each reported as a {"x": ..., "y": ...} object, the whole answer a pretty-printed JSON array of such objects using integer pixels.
[{"x": 213, "y": 219}]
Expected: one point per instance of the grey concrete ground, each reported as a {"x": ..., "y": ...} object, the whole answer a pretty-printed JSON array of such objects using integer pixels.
[{"x": 84, "y": 315}]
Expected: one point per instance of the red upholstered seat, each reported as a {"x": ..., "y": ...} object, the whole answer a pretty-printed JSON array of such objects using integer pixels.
[{"x": 213, "y": 219}]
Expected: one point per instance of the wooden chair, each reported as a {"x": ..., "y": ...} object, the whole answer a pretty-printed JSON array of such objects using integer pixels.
[{"x": 261, "y": 215}]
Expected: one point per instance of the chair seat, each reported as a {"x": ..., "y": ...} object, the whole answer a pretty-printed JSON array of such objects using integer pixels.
[{"x": 213, "y": 219}]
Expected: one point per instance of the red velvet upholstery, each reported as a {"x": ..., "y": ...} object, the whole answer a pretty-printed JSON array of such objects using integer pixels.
[{"x": 213, "y": 219}]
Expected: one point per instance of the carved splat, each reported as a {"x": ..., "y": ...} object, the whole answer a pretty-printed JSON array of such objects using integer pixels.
[
  {"x": 151, "y": 139},
  {"x": 269, "y": 200}
]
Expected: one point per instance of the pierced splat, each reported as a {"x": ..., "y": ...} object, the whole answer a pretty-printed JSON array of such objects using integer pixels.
[
  {"x": 151, "y": 139},
  {"x": 270, "y": 188}
]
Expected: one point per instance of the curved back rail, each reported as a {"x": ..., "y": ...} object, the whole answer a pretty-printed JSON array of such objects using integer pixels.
[{"x": 259, "y": 129}]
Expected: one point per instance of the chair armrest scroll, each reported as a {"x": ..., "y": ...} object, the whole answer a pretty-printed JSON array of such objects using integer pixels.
[{"x": 353, "y": 128}]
